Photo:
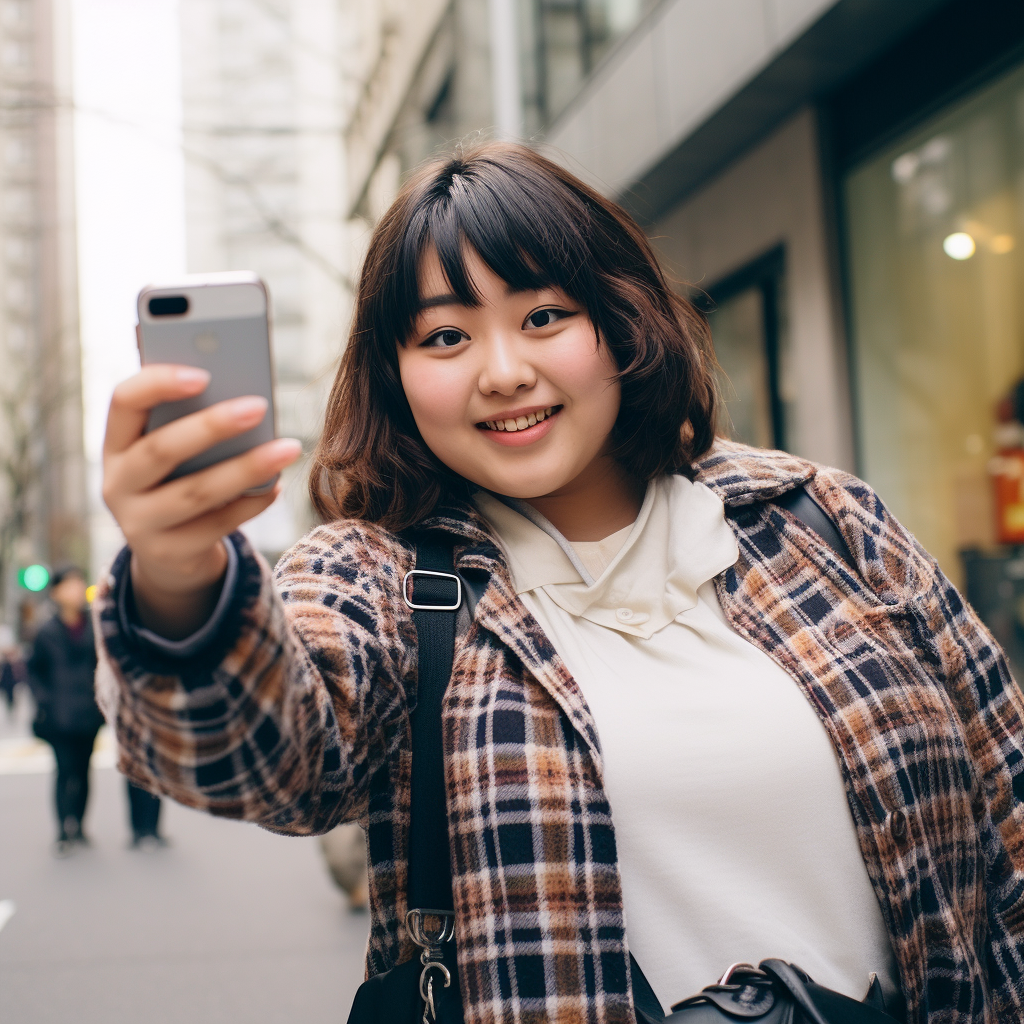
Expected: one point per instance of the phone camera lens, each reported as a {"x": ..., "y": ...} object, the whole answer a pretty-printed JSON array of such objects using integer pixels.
[{"x": 168, "y": 305}]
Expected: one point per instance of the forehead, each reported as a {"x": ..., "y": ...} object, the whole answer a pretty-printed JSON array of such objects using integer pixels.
[{"x": 480, "y": 280}]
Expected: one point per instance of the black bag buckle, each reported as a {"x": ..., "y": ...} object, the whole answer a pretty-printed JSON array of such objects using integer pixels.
[
  {"x": 431, "y": 929},
  {"x": 417, "y": 607}
]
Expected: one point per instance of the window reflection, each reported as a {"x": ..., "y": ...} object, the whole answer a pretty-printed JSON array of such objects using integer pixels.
[{"x": 933, "y": 225}]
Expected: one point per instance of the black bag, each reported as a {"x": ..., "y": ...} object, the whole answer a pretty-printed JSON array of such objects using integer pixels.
[
  {"x": 426, "y": 991},
  {"x": 774, "y": 993}
]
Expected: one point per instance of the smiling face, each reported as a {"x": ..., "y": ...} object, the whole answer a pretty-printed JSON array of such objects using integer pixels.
[{"x": 516, "y": 395}]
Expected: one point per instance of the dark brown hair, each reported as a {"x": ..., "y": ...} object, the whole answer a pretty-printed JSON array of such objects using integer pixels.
[{"x": 535, "y": 225}]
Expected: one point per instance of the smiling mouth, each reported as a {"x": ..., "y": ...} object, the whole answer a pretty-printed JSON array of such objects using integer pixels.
[{"x": 520, "y": 422}]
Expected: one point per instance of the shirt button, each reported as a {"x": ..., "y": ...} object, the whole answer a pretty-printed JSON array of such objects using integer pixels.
[{"x": 624, "y": 614}]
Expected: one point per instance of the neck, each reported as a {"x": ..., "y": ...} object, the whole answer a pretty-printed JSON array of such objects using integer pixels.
[
  {"x": 599, "y": 502},
  {"x": 70, "y": 616}
]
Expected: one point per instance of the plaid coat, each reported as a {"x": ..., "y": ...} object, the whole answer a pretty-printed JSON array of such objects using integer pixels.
[{"x": 297, "y": 718}]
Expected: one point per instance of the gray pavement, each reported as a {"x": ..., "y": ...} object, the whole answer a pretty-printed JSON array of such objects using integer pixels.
[{"x": 230, "y": 923}]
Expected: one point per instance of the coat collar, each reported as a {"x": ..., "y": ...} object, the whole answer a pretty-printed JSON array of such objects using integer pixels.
[{"x": 741, "y": 475}]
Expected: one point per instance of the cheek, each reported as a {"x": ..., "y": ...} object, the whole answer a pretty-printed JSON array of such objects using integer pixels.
[
  {"x": 435, "y": 393},
  {"x": 586, "y": 374}
]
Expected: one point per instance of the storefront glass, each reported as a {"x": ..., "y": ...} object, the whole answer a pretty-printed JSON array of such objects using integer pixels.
[{"x": 935, "y": 235}]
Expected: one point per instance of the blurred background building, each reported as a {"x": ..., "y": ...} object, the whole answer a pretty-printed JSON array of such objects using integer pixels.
[
  {"x": 263, "y": 85},
  {"x": 43, "y": 516}
]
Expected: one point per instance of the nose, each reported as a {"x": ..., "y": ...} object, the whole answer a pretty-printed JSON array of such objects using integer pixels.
[{"x": 506, "y": 365}]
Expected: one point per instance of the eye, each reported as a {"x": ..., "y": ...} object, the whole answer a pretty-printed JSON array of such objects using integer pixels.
[
  {"x": 448, "y": 338},
  {"x": 545, "y": 317}
]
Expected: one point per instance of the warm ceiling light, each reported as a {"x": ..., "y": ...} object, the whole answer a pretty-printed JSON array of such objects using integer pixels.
[
  {"x": 1002, "y": 244},
  {"x": 959, "y": 245}
]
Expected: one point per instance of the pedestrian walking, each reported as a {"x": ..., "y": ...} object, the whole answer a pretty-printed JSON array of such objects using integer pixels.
[
  {"x": 702, "y": 703},
  {"x": 61, "y": 669},
  {"x": 11, "y": 667},
  {"x": 8, "y": 683}
]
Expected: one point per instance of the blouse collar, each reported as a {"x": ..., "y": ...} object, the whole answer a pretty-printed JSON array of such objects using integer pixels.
[{"x": 679, "y": 541}]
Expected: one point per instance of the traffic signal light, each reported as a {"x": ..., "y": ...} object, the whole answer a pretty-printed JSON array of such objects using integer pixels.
[{"x": 34, "y": 577}]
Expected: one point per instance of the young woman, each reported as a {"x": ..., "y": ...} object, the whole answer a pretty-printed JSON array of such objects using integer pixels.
[{"x": 677, "y": 723}]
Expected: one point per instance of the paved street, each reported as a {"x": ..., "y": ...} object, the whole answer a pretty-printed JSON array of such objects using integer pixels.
[{"x": 229, "y": 924}]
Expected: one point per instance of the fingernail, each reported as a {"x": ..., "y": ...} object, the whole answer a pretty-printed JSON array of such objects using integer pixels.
[
  {"x": 246, "y": 408},
  {"x": 192, "y": 375},
  {"x": 286, "y": 447}
]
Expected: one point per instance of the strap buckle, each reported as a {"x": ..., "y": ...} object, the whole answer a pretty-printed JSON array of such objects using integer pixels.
[
  {"x": 431, "y": 929},
  {"x": 406, "y": 590}
]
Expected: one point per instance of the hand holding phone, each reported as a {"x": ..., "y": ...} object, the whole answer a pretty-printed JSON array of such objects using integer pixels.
[
  {"x": 219, "y": 323},
  {"x": 183, "y": 469}
]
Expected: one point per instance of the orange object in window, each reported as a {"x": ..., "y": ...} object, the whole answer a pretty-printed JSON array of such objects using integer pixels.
[{"x": 1007, "y": 469}]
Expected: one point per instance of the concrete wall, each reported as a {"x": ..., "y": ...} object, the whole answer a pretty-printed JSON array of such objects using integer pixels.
[
  {"x": 668, "y": 77},
  {"x": 773, "y": 195}
]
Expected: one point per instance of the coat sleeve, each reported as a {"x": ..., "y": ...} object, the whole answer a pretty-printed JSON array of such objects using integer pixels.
[
  {"x": 284, "y": 715},
  {"x": 986, "y": 699},
  {"x": 38, "y": 670}
]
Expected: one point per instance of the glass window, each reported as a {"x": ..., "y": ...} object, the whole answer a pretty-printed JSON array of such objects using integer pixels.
[
  {"x": 565, "y": 39},
  {"x": 934, "y": 226},
  {"x": 749, "y": 338}
]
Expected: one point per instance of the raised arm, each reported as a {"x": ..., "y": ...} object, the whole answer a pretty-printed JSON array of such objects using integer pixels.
[{"x": 267, "y": 712}]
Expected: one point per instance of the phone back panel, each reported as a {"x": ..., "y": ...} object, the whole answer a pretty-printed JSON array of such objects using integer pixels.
[{"x": 225, "y": 335}]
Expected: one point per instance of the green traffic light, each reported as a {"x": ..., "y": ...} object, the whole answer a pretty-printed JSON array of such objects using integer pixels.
[{"x": 34, "y": 577}]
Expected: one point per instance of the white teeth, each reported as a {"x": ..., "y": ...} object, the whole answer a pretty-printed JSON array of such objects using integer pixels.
[{"x": 520, "y": 422}]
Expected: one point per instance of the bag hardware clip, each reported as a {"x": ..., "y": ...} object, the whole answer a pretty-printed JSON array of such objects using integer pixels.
[{"x": 431, "y": 929}]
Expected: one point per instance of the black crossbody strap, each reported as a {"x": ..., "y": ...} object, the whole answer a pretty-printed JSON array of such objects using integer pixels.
[
  {"x": 799, "y": 502},
  {"x": 433, "y": 584}
]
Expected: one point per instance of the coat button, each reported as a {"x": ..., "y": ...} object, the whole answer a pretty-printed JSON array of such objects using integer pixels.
[
  {"x": 624, "y": 614},
  {"x": 898, "y": 825}
]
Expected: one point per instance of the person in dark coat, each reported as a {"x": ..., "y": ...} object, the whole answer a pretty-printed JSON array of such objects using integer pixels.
[{"x": 61, "y": 669}]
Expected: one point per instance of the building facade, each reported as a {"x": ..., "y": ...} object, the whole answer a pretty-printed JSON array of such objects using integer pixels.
[
  {"x": 265, "y": 93},
  {"x": 43, "y": 502},
  {"x": 844, "y": 182}
]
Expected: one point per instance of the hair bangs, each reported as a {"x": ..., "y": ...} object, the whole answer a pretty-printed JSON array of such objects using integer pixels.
[{"x": 525, "y": 238}]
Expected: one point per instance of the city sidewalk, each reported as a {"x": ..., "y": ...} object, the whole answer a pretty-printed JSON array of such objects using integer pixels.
[{"x": 230, "y": 923}]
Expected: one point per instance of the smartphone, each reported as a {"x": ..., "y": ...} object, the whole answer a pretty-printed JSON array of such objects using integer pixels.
[{"x": 220, "y": 322}]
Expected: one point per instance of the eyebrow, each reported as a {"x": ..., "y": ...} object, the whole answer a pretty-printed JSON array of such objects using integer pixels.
[{"x": 432, "y": 301}]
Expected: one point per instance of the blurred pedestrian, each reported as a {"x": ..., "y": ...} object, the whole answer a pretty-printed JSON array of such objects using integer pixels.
[
  {"x": 61, "y": 670},
  {"x": 144, "y": 814},
  {"x": 10, "y": 662}
]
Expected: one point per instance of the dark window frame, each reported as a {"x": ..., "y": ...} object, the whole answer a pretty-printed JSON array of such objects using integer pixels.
[{"x": 765, "y": 272}]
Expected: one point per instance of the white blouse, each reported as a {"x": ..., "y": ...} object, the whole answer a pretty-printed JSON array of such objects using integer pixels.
[{"x": 735, "y": 839}]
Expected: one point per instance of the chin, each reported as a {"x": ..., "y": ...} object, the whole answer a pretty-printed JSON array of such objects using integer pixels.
[{"x": 523, "y": 489}]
